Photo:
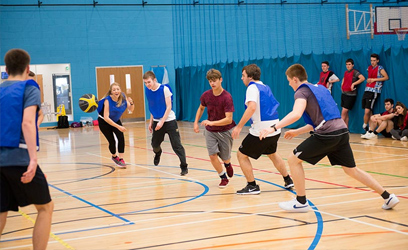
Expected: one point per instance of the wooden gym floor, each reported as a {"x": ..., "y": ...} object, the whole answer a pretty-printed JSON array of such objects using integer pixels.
[{"x": 98, "y": 206}]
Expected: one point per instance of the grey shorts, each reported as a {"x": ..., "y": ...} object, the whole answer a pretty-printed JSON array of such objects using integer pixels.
[{"x": 219, "y": 143}]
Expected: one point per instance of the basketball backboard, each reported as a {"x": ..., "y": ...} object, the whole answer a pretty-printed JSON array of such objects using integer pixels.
[{"x": 388, "y": 18}]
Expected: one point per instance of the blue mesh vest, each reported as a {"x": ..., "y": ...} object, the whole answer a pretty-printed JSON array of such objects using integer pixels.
[
  {"x": 11, "y": 114},
  {"x": 326, "y": 103},
  {"x": 267, "y": 103},
  {"x": 114, "y": 112},
  {"x": 157, "y": 101}
]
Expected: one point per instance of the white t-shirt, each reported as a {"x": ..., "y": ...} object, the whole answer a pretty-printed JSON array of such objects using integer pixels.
[
  {"x": 252, "y": 95},
  {"x": 167, "y": 93}
]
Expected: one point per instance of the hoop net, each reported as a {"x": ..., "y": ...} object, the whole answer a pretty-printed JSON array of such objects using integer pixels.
[{"x": 401, "y": 32}]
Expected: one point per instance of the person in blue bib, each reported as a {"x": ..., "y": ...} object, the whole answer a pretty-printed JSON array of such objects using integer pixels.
[
  {"x": 21, "y": 180},
  {"x": 261, "y": 108},
  {"x": 163, "y": 119},
  {"x": 330, "y": 138},
  {"x": 110, "y": 109}
]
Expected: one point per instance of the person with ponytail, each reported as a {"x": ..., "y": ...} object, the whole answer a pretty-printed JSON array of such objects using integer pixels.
[{"x": 400, "y": 131}]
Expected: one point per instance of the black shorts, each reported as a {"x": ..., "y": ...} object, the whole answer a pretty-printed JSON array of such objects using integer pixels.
[
  {"x": 335, "y": 146},
  {"x": 369, "y": 99},
  {"x": 253, "y": 147},
  {"x": 348, "y": 101},
  {"x": 16, "y": 194},
  {"x": 386, "y": 134}
]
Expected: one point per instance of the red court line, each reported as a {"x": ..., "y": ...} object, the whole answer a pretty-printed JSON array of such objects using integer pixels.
[
  {"x": 293, "y": 238},
  {"x": 268, "y": 171}
]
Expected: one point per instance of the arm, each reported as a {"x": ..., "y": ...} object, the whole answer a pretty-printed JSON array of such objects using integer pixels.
[
  {"x": 199, "y": 113},
  {"x": 151, "y": 124},
  {"x": 28, "y": 127},
  {"x": 130, "y": 104},
  {"x": 166, "y": 114},
  {"x": 251, "y": 107},
  {"x": 382, "y": 79},
  {"x": 224, "y": 121},
  {"x": 384, "y": 117},
  {"x": 297, "y": 112},
  {"x": 109, "y": 120},
  {"x": 361, "y": 79}
]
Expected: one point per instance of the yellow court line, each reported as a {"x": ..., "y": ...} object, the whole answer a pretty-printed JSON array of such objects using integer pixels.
[{"x": 66, "y": 245}]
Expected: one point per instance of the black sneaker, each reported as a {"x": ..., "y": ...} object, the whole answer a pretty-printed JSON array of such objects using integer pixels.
[
  {"x": 156, "y": 160},
  {"x": 249, "y": 189},
  {"x": 289, "y": 184},
  {"x": 184, "y": 171}
]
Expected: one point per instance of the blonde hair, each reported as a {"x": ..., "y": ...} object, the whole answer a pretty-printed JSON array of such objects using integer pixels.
[
  {"x": 120, "y": 99},
  {"x": 297, "y": 70}
]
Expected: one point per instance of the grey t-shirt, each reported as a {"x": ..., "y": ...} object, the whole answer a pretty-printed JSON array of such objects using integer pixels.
[
  {"x": 19, "y": 156},
  {"x": 356, "y": 74},
  {"x": 313, "y": 110}
]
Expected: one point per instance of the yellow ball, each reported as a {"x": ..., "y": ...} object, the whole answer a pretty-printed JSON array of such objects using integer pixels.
[{"x": 88, "y": 103}]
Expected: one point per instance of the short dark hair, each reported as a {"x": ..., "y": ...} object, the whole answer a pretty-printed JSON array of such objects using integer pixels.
[
  {"x": 389, "y": 100},
  {"x": 213, "y": 75},
  {"x": 375, "y": 56},
  {"x": 297, "y": 70},
  {"x": 32, "y": 74},
  {"x": 350, "y": 61},
  {"x": 253, "y": 71},
  {"x": 326, "y": 62},
  {"x": 16, "y": 61},
  {"x": 149, "y": 74}
]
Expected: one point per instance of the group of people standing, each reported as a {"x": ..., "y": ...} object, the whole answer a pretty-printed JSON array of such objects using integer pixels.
[{"x": 392, "y": 123}]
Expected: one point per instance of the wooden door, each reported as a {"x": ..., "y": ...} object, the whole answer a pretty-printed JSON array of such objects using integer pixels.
[
  {"x": 134, "y": 88},
  {"x": 39, "y": 80}
]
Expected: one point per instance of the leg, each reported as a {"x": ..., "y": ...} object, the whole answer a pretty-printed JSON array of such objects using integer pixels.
[
  {"x": 121, "y": 140},
  {"x": 345, "y": 115},
  {"x": 279, "y": 163},
  {"x": 396, "y": 133},
  {"x": 382, "y": 126},
  {"x": 246, "y": 166},
  {"x": 216, "y": 163},
  {"x": 3, "y": 218},
  {"x": 298, "y": 174},
  {"x": 42, "y": 225},
  {"x": 364, "y": 178},
  {"x": 174, "y": 135},
  {"x": 107, "y": 131},
  {"x": 390, "y": 125},
  {"x": 157, "y": 138},
  {"x": 367, "y": 114}
]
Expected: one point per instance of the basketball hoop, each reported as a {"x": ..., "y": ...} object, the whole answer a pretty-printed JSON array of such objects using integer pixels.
[{"x": 401, "y": 32}]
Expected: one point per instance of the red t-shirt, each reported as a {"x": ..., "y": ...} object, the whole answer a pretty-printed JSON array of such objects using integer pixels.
[{"x": 217, "y": 106}]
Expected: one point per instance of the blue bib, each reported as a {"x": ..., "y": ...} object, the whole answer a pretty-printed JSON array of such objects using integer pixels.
[
  {"x": 157, "y": 101},
  {"x": 326, "y": 103},
  {"x": 11, "y": 114},
  {"x": 267, "y": 103},
  {"x": 114, "y": 112}
]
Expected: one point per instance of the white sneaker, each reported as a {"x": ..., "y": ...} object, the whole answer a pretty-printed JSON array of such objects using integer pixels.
[
  {"x": 294, "y": 206},
  {"x": 391, "y": 202},
  {"x": 393, "y": 137},
  {"x": 370, "y": 136},
  {"x": 364, "y": 135},
  {"x": 404, "y": 138}
]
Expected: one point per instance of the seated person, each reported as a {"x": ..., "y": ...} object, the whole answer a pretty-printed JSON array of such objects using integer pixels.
[
  {"x": 381, "y": 123},
  {"x": 400, "y": 131}
]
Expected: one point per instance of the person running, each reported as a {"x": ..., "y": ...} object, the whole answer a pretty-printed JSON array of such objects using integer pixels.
[
  {"x": 330, "y": 138},
  {"x": 22, "y": 182},
  {"x": 163, "y": 120},
  {"x": 261, "y": 108},
  {"x": 110, "y": 109},
  {"x": 218, "y": 126}
]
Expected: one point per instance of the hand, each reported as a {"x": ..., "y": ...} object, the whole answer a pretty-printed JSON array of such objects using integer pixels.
[
  {"x": 206, "y": 123},
  {"x": 352, "y": 87},
  {"x": 266, "y": 132},
  {"x": 290, "y": 134},
  {"x": 196, "y": 128},
  {"x": 150, "y": 127},
  {"x": 235, "y": 132},
  {"x": 159, "y": 125},
  {"x": 28, "y": 176},
  {"x": 122, "y": 129},
  {"x": 369, "y": 80},
  {"x": 129, "y": 99}
]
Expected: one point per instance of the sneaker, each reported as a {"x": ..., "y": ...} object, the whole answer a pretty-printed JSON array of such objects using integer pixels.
[
  {"x": 184, "y": 171},
  {"x": 289, "y": 184},
  {"x": 391, "y": 202},
  {"x": 223, "y": 183},
  {"x": 364, "y": 135},
  {"x": 370, "y": 136},
  {"x": 249, "y": 189},
  {"x": 156, "y": 160},
  {"x": 116, "y": 160},
  {"x": 122, "y": 163},
  {"x": 294, "y": 206},
  {"x": 404, "y": 138},
  {"x": 230, "y": 171},
  {"x": 393, "y": 137}
]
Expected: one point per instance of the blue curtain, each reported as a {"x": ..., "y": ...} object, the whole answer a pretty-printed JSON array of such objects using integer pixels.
[{"x": 191, "y": 81}]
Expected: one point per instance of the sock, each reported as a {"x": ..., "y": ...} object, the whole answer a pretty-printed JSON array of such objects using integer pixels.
[
  {"x": 252, "y": 183},
  {"x": 227, "y": 165},
  {"x": 301, "y": 199},
  {"x": 370, "y": 131},
  {"x": 364, "y": 125},
  {"x": 375, "y": 132},
  {"x": 223, "y": 175},
  {"x": 385, "y": 195},
  {"x": 286, "y": 178}
]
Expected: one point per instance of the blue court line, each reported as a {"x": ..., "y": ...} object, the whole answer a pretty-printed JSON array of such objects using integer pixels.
[
  {"x": 93, "y": 205},
  {"x": 319, "y": 218}
]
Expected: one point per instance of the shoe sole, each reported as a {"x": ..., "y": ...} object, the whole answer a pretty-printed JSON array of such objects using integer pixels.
[
  {"x": 290, "y": 186},
  {"x": 119, "y": 166},
  {"x": 222, "y": 187},
  {"x": 257, "y": 192}
]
